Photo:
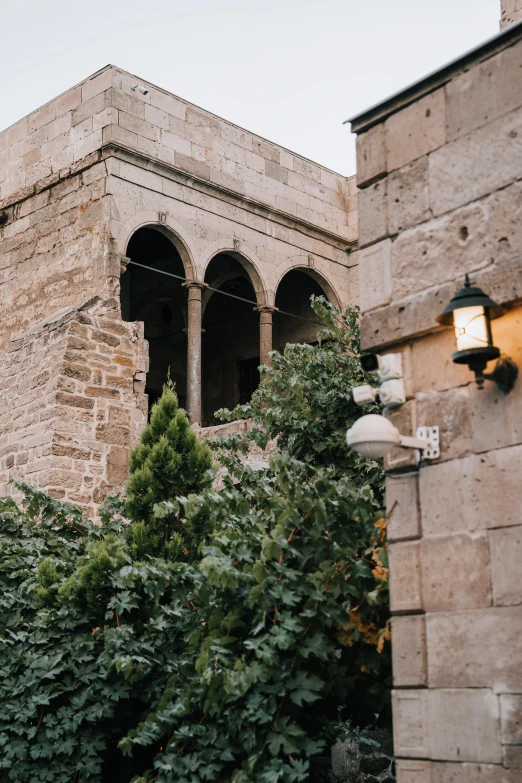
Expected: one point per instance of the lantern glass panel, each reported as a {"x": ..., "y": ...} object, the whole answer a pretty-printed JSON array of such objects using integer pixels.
[{"x": 471, "y": 328}]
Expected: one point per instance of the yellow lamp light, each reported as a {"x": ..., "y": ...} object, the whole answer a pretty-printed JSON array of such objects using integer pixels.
[{"x": 470, "y": 312}]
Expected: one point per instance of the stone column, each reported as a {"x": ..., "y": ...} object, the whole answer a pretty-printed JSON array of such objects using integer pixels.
[
  {"x": 194, "y": 350},
  {"x": 265, "y": 332}
]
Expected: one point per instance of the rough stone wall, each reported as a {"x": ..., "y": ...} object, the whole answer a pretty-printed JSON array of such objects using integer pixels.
[
  {"x": 71, "y": 401},
  {"x": 53, "y": 247},
  {"x": 79, "y": 176},
  {"x": 511, "y": 11},
  {"x": 441, "y": 195}
]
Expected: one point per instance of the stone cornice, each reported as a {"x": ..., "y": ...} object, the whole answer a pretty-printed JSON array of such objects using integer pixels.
[{"x": 121, "y": 152}]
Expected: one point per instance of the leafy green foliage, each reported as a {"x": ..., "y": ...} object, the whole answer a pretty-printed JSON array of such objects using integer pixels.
[
  {"x": 218, "y": 634},
  {"x": 169, "y": 462}
]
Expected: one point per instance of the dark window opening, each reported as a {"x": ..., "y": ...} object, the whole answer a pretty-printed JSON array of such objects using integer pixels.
[
  {"x": 293, "y": 295},
  {"x": 248, "y": 379},
  {"x": 161, "y": 303}
]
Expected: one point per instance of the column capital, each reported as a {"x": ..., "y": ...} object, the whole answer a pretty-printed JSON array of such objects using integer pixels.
[
  {"x": 194, "y": 284},
  {"x": 266, "y": 309}
]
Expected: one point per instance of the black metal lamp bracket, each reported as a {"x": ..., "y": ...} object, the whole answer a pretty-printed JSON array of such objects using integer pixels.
[{"x": 504, "y": 375}]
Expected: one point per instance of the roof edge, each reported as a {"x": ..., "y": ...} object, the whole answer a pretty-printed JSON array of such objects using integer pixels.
[{"x": 382, "y": 110}]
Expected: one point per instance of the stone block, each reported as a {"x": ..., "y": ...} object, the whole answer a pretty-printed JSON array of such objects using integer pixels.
[
  {"x": 117, "y": 465},
  {"x": 432, "y": 367},
  {"x": 375, "y": 275},
  {"x": 485, "y": 92},
  {"x": 464, "y": 725},
  {"x": 373, "y": 213},
  {"x": 371, "y": 156},
  {"x": 506, "y": 556},
  {"x": 460, "y": 239},
  {"x": 405, "y": 581},
  {"x": 505, "y": 221},
  {"x": 487, "y": 159},
  {"x": 512, "y": 756},
  {"x": 476, "y": 649},
  {"x": 410, "y": 723},
  {"x": 451, "y": 412},
  {"x": 511, "y": 718},
  {"x": 410, "y": 771},
  {"x": 97, "y": 84},
  {"x": 404, "y": 418},
  {"x": 472, "y": 773},
  {"x": 496, "y": 417},
  {"x": 480, "y": 491},
  {"x": 415, "y": 130},
  {"x": 409, "y": 651},
  {"x": 402, "y": 507},
  {"x": 453, "y": 572},
  {"x": 408, "y": 199}
]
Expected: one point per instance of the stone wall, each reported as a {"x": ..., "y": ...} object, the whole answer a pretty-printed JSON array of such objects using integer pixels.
[
  {"x": 71, "y": 401},
  {"x": 78, "y": 178},
  {"x": 511, "y": 11},
  {"x": 440, "y": 177}
]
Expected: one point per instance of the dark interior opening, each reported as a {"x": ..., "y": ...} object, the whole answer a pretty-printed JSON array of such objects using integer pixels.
[
  {"x": 161, "y": 303},
  {"x": 293, "y": 296},
  {"x": 230, "y": 338}
]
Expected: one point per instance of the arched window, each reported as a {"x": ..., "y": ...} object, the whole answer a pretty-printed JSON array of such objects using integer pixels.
[
  {"x": 293, "y": 296},
  {"x": 161, "y": 303},
  {"x": 230, "y": 336}
]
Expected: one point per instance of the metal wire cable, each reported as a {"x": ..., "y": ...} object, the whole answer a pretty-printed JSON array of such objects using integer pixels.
[{"x": 223, "y": 293}]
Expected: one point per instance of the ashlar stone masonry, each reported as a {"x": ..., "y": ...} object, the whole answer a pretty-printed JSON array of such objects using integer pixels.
[
  {"x": 440, "y": 179},
  {"x": 108, "y": 175}
]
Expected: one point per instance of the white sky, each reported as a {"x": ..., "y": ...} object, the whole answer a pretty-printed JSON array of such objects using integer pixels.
[{"x": 289, "y": 70}]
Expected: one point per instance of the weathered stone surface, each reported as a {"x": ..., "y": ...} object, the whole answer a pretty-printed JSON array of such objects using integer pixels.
[
  {"x": 375, "y": 275},
  {"x": 483, "y": 93},
  {"x": 512, "y": 756},
  {"x": 496, "y": 417},
  {"x": 511, "y": 12},
  {"x": 461, "y": 239},
  {"x": 405, "y": 582},
  {"x": 506, "y": 556},
  {"x": 464, "y": 725},
  {"x": 511, "y": 718},
  {"x": 472, "y": 501},
  {"x": 472, "y": 773},
  {"x": 404, "y": 418},
  {"x": 481, "y": 648},
  {"x": 410, "y": 723},
  {"x": 451, "y": 412},
  {"x": 409, "y": 651},
  {"x": 416, "y": 130},
  {"x": 408, "y": 197},
  {"x": 473, "y": 166},
  {"x": 402, "y": 507},
  {"x": 454, "y": 572},
  {"x": 371, "y": 156},
  {"x": 440, "y": 372},
  {"x": 413, "y": 771},
  {"x": 373, "y": 213}
]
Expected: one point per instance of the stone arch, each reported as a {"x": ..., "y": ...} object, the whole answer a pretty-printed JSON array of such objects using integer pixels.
[
  {"x": 173, "y": 230},
  {"x": 294, "y": 320},
  {"x": 301, "y": 263},
  {"x": 245, "y": 256}
]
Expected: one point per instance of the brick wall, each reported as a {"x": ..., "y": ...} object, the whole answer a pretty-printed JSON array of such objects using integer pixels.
[
  {"x": 72, "y": 400},
  {"x": 440, "y": 177}
]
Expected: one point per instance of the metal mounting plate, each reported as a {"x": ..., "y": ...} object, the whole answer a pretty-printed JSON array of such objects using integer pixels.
[{"x": 431, "y": 436}]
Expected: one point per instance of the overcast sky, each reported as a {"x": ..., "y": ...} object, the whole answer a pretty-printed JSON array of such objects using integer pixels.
[{"x": 289, "y": 70}]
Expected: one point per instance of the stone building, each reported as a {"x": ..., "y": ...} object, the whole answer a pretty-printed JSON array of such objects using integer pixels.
[
  {"x": 116, "y": 175},
  {"x": 440, "y": 178}
]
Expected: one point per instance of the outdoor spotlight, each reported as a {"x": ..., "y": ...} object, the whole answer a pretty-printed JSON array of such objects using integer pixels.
[
  {"x": 470, "y": 312},
  {"x": 374, "y": 436},
  {"x": 141, "y": 89}
]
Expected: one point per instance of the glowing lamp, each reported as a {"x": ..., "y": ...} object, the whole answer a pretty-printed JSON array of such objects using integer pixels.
[{"x": 470, "y": 312}]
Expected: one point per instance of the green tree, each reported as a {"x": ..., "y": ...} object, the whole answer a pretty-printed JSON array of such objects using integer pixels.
[{"x": 169, "y": 462}]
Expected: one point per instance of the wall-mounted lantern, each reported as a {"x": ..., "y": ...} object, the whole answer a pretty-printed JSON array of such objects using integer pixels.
[{"x": 470, "y": 312}]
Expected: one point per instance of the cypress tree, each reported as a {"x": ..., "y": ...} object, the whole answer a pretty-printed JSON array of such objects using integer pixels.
[{"x": 170, "y": 462}]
